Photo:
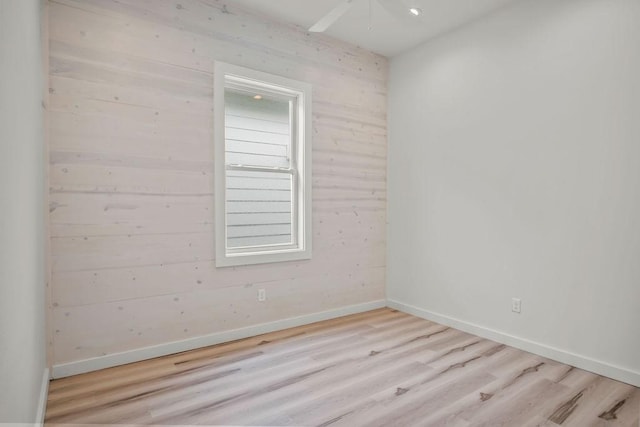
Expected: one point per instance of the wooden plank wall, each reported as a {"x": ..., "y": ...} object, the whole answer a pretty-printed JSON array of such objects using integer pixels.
[{"x": 131, "y": 173}]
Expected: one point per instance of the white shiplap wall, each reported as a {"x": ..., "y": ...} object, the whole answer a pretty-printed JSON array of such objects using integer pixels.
[{"x": 131, "y": 174}]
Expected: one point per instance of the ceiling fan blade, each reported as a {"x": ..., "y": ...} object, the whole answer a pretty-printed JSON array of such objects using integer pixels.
[{"x": 330, "y": 18}]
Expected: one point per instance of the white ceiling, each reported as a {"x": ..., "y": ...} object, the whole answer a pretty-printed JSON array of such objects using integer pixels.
[{"x": 391, "y": 33}]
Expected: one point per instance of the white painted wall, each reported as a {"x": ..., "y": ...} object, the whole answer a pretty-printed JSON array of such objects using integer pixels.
[
  {"x": 22, "y": 330},
  {"x": 515, "y": 172}
]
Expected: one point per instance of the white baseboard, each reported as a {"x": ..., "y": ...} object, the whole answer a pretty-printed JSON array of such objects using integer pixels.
[
  {"x": 116, "y": 359},
  {"x": 579, "y": 361},
  {"x": 42, "y": 400}
]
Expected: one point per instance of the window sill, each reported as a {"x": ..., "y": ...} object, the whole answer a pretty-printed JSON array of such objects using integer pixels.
[{"x": 251, "y": 258}]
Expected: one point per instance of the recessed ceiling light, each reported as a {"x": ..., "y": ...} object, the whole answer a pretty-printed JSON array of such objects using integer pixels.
[
  {"x": 257, "y": 97},
  {"x": 415, "y": 11}
]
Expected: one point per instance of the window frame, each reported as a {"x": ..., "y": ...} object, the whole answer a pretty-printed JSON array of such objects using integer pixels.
[{"x": 239, "y": 78}]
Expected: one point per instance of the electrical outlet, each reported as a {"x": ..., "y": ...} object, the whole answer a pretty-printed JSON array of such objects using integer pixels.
[
  {"x": 262, "y": 295},
  {"x": 516, "y": 305}
]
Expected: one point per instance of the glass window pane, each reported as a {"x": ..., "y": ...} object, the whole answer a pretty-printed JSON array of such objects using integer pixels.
[
  {"x": 259, "y": 208},
  {"x": 257, "y": 131}
]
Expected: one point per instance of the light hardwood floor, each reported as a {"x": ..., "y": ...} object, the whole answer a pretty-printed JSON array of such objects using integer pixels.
[{"x": 380, "y": 368}]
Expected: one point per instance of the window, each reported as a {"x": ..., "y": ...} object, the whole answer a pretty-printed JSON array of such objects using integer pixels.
[{"x": 262, "y": 167}]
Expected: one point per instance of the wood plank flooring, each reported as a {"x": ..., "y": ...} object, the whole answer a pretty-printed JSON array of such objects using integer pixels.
[{"x": 380, "y": 368}]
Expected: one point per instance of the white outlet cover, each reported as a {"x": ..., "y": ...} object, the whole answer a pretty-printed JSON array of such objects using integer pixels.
[{"x": 516, "y": 305}]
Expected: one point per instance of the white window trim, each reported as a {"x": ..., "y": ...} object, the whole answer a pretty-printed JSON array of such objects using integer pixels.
[{"x": 222, "y": 71}]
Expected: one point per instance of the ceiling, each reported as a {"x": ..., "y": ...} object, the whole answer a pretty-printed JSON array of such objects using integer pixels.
[{"x": 390, "y": 33}]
